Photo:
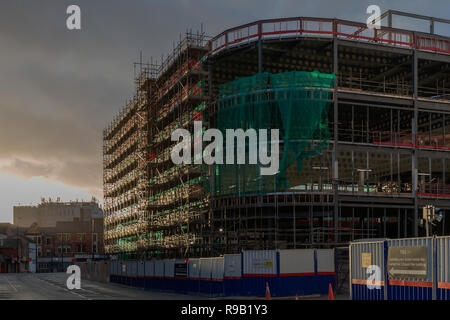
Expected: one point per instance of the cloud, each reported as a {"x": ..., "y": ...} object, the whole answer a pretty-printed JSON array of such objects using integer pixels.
[
  {"x": 27, "y": 169},
  {"x": 60, "y": 88}
]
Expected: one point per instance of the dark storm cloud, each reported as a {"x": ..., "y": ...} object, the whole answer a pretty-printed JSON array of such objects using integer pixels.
[{"x": 60, "y": 88}]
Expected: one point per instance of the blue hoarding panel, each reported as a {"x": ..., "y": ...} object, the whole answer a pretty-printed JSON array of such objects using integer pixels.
[{"x": 232, "y": 286}]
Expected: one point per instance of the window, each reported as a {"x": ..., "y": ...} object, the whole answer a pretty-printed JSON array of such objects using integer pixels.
[
  {"x": 67, "y": 249},
  {"x": 48, "y": 241},
  {"x": 48, "y": 252},
  {"x": 64, "y": 236}
]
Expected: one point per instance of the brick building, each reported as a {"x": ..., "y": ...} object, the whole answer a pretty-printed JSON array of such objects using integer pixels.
[
  {"x": 67, "y": 242},
  {"x": 17, "y": 251},
  {"x": 63, "y": 231}
]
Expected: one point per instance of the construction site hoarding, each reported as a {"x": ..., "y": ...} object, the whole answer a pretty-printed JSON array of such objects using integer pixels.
[
  {"x": 325, "y": 261},
  {"x": 297, "y": 262},
  {"x": 411, "y": 269},
  {"x": 362, "y": 256},
  {"x": 150, "y": 268},
  {"x": 222, "y": 276}
]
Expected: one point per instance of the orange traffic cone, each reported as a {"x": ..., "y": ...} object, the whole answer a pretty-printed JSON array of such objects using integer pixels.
[
  {"x": 268, "y": 297},
  {"x": 330, "y": 292}
]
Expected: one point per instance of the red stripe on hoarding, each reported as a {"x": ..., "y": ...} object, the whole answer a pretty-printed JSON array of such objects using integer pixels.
[
  {"x": 326, "y": 273},
  {"x": 364, "y": 282},
  {"x": 259, "y": 275},
  {"x": 423, "y": 284},
  {"x": 296, "y": 274},
  {"x": 233, "y": 278},
  {"x": 443, "y": 285}
]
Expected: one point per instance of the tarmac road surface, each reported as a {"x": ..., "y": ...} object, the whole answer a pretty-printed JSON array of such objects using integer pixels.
[{"x": 52, "y": 286}]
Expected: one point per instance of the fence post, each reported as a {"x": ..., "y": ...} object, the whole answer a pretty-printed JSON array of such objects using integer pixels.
[
  {"x": 386, "y": 275},
  {"x": 350, "y": 274},
  {"x": 277, "y": 287},
  {"x": 434, "y": 268}
]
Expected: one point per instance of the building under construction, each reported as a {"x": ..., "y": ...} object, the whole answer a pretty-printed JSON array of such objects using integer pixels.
[{"x": 364, "y": 145}]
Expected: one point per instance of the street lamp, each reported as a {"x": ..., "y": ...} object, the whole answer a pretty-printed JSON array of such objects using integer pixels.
[
  {"x": 92, "y": 239},
  {"x": 62, "y": 251},
  {"x": 429, "y": 215},
  {"x": 17, "y": 243}
]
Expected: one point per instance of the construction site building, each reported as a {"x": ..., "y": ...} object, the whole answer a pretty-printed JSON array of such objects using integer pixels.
[{"x": 363, "y": 166}]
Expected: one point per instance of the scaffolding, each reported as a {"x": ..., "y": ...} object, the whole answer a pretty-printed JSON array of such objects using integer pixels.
[
  {"x": 153, "y": 207},
  {"x": 178, "y": 201}
]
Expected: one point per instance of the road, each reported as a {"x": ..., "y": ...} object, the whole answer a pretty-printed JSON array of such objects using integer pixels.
[{"x": 52, "y": 286}]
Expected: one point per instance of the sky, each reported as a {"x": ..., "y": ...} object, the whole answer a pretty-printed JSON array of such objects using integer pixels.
[{"x": 60, "y": 88}]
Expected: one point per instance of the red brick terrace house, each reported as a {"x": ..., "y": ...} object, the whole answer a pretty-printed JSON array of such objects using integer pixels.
[{"x": 67, "y": 242}]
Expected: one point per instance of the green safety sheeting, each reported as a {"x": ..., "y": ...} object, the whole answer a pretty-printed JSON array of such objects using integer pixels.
[{"x": 297, "y": 103}]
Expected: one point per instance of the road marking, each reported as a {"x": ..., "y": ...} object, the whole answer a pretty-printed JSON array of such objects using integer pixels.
[
  {"x": 62, "y": 287},
  {"x": 9, "y": 282}
]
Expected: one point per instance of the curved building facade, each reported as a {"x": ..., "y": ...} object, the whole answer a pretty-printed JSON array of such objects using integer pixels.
[{"x": 364, "y": 120}]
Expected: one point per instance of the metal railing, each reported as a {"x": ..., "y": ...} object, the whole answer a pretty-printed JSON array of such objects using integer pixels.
[{"x": 342, "y": 29}]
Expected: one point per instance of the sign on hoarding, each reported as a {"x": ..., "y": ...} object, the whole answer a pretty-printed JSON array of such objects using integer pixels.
[
  {"x": 262, "y": 263},
  {"x": 408, "y": 262},
  {"x": 366, "y": 259},
  {"x": 181, "y": 270}
]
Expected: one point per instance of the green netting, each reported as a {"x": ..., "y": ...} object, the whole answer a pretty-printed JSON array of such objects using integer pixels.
[
  {"x": 124, "y": 256},
  {"x": 297, "y": 103}
]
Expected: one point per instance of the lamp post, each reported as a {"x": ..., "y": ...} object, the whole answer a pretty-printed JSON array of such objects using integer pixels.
[
  {"x": 17, "y": 243},
  {"x": 36, "y": 256},
  {"x": 62, "y": 251},
  {"x": 92, "y": 239}
]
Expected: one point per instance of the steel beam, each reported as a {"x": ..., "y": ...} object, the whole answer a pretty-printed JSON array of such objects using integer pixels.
[
  {"x": 415, "y": 82},
  {"x": 335, "y": 144}
]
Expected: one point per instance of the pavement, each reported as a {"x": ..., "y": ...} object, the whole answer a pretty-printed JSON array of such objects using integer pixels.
[{"x": 52, "y": 286}]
